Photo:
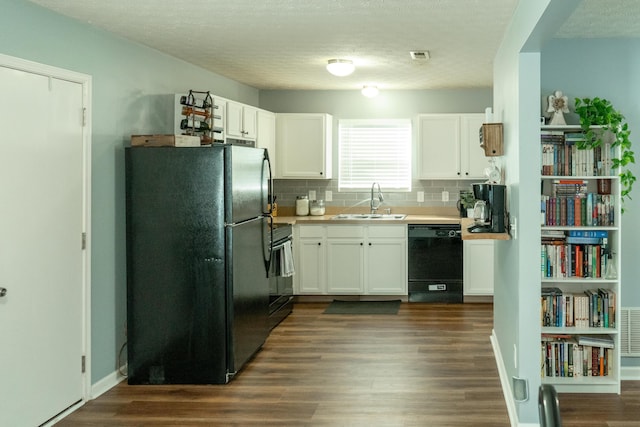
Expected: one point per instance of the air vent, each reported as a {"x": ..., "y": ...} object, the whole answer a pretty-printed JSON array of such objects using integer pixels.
[
  {"x": 419, "y": 55},
  {"x": 630, "y": 332}
]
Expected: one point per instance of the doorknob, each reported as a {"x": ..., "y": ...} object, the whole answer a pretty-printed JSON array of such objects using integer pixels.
[{"x": 3, "y": 292}]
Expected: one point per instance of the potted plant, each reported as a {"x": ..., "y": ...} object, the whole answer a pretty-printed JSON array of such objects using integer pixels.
[
  {"x": 466, "y": 203},
  {"x": 599, "y": 112}
]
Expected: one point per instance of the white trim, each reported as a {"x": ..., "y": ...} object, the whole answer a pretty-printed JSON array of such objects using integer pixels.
[
  {"x": 107, "y": 383},
  {"x": 630, "y": 373},
  {"x": 86, "y": 82},
  {"x": 504, "y": 381}
]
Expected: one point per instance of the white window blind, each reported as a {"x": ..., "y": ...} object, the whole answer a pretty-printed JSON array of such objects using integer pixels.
[{"x": 374, "y": 151}]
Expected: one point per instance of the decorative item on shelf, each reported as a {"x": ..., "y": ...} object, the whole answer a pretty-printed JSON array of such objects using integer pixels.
[
  {"x": 558, "y": 104},
  {"x": 600, "y": 112}
]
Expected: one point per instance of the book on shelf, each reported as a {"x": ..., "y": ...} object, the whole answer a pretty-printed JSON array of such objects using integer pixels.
[
  {"x": 561, "y": 155},
  {"x": 589, "y": 209},
  {"x": 589, "y": 309},
  {"x": 565, "y": 357},
  {"x": 605, "y": 341},
  {"x": 566, "y": 258}
]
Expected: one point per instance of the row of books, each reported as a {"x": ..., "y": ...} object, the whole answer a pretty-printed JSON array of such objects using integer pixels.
[
  {"x": 561, "y": 155},
  {"x": 595, "y": 308},
  {"x": 579, "y": 261},
  {"x": 569, "y": 357},
  {"x": 589, "y": 209}
]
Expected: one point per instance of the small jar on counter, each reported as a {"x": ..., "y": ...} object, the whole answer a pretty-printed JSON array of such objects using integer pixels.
[
  {"x": 302, "y": 205},
  {"x": 316, "y": 207}
]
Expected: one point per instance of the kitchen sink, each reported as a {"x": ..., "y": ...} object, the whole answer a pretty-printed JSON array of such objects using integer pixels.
[{"x": 369, "y": 216}]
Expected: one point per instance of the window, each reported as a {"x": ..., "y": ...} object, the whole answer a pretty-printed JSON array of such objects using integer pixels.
[{"x": 374, "y": 151}]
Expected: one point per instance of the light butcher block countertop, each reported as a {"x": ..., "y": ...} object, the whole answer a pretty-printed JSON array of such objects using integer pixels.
[
  {"x": 414, "y": 216},
  {"x": 328, "y": 219}
]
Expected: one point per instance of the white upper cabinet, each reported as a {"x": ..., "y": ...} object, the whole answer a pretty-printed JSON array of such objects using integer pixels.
[
  {"x": 449, "y": 146},
  {"x": 303, "y": 144},
  {"x": 241, "y": 120}
]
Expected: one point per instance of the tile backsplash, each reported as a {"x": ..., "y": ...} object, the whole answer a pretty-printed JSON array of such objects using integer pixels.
[{"x": 287, "y": 189}]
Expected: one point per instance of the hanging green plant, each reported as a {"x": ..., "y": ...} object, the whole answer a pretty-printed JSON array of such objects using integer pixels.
[{"x": 599, "y": 112}]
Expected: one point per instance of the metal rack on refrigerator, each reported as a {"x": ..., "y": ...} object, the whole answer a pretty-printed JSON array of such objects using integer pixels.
[{"x": 198, "y": 111}]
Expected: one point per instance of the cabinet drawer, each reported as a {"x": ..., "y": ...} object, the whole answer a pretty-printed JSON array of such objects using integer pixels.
[
  {"x": 311, "y": 231},
  {"x": 387, "y": 231},
  {"x": 347, "y": 231}
]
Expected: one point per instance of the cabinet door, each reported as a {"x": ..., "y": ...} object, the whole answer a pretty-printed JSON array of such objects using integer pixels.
[
  {"x": 249, "y": 122},
  {"x": 478, "y": 272},
  {"x": 386, "y": 267},
  {"x": 266, "y": 137},
  {"x": 311, "y": 266},
  {"x": 345, "y": 266},
  {"x": 439, "y": 140},
  {"x": 234, "y": 120},
  {"x": 472, "y": 159},
  {"x": 303, "y": 142}
]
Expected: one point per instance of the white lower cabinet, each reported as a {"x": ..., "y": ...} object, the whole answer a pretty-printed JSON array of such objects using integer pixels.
[
  {"x": 478, "y": 274},
  {"x": 360, "y": 259},
  {"x": 310, "y": 277}
]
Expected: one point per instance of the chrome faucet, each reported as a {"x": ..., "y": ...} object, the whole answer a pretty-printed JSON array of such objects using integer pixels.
[{"x": 374, "y": 206}]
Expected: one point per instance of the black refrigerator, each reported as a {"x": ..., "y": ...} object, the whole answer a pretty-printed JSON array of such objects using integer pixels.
[{"x": 197, "y": 259}]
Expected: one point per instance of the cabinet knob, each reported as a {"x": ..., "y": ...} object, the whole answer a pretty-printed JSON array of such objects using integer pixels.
[
  {"x": 458, "y": 173},
  {"x": 361, "y": 244},
  {"x": 319, "y": 243},
  {"x": 466, "y": 173},
  {"x": 369, "y": 243},
  {"x": 320, "y": 173}
]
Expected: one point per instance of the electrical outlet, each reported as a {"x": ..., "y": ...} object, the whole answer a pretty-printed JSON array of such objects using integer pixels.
[
  {"x": 328, "y": 196},
  {"x": 445, "y": 196},
  {"x": 312, "y": 194},
  {"x": 420, "y": 196}
]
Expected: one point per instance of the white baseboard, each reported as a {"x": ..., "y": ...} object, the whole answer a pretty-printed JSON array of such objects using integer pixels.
[
  {"x": 506, "y": 386},
  {"x": 630, "y": 373},
  {"x": 107, "y": 383},
  {"x": 504, "y": 381}
]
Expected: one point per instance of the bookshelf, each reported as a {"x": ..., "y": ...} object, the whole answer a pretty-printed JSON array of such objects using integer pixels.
[{"x": 579, "y": 264}]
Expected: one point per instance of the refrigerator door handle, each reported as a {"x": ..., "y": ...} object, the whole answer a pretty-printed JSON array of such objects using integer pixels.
[{"x": 268, "y": 206}]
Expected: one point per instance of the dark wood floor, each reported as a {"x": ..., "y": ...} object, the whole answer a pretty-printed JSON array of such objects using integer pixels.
[{"x": 430, "y": 365}]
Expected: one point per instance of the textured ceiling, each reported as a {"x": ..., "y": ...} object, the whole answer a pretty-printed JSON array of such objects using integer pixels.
[{"x": 285, "y": 44}]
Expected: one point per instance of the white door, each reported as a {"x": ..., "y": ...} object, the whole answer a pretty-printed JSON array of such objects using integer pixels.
[{"x": 41, "y": 258}]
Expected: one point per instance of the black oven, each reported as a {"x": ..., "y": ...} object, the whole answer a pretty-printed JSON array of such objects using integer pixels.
[
  {"x": 435, "y": 263},
  {"x": 280, "y": 279}
]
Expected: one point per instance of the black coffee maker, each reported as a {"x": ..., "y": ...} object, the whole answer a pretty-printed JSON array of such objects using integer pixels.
[{"x": 493, "y": 196}]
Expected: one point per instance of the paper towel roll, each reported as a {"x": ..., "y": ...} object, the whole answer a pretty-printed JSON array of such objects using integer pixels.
[{"x": 487, "y": 115}]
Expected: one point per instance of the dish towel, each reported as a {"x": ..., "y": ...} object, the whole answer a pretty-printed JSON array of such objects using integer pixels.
[{"x": 286, "y": 260}]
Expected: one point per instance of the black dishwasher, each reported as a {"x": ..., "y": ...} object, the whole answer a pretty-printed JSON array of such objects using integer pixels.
[{"x": 435, "y": 263}]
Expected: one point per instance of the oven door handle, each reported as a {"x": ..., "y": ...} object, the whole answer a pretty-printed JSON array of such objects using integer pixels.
[{"x": 280, "y": 246}]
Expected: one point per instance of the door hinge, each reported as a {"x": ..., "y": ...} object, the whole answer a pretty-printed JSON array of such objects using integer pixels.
[
  {"x": 84, "y": 364},
  {"x": 84, "y": 117},
  {"x": 84, "y": 241}
]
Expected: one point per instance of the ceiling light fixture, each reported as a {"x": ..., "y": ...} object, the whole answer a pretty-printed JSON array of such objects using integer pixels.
[
  {"x": 370, "y": 91},
  {"x": 340, "y": 67}
]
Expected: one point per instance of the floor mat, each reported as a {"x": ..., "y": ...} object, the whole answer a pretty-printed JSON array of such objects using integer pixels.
[{"x": 363, "y": 307}]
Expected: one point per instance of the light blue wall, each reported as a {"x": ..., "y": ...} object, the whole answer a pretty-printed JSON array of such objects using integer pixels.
[
  {"x": 516, "y": 104},
  {"x": 606, "y": 68},
  {"x": 133, "y": 89}
]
